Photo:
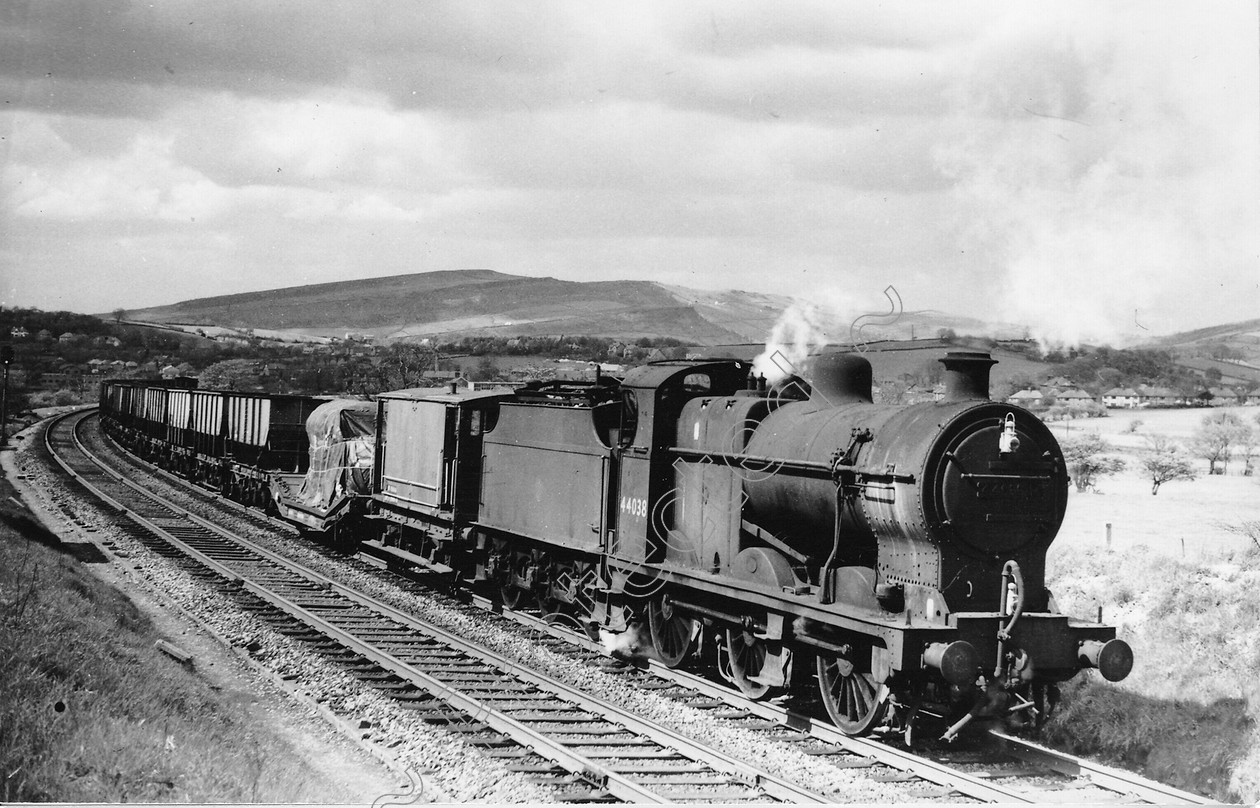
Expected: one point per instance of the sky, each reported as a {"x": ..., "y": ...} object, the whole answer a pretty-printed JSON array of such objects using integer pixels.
[{"x": 1091, "y": 170}]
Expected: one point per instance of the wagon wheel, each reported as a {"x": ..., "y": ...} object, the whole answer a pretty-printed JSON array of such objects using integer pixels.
[
  {"x": 853, "y": 699},
  {"x": 584, "y": 608},
  {"x": 757, "y": 666},
  {"x": 511, "y": 595},
  {"x": 672, "y": 633},
  {"x": 579, "y": 612}
]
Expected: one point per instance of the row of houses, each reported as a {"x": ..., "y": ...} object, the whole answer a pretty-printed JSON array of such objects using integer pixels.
[
  {"x": 1141, "y": 396},
  {"x": 68, "y": 338}
]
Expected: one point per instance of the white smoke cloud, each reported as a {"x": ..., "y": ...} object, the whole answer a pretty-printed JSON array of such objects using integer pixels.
[
  {"x": 1110, "y": 178},
  {"x": 801, "y": 329}
]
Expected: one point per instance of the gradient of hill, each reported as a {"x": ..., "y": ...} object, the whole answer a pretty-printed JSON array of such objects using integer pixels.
[
  {"x": 1194, "y": 349},
  {"x": 482, "y": 302}
]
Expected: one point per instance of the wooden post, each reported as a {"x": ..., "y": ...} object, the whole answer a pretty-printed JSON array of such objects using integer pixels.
[{"x": 1109, "y": 536}]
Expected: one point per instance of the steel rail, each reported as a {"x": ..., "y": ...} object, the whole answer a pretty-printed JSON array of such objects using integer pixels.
[
  {"x": 1103, "y": 776},
  {"x": 614, "y": 782},
  {"x": 892, "y": 757}
]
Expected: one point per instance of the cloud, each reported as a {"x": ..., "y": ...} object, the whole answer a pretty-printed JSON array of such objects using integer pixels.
[
  {"x": 1105, "y": 174},
  {"x": 1065, "y": 163}
]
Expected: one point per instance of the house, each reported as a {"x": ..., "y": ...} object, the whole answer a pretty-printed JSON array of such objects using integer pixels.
[
  {"x": 18, "y": 332},
  {"x": 170, "y": 372},
  {"x": 1224, "y": 397},
  {"x": 616, "y": 348},
  {"x": 113, "y": 342},
  {"x": 1121, "y": 398},
  {"x": 1026, "y": 398},
  {"x": 1074, "y": 396},
  {"x": 1252, "y": 398},
  {"x": 1158, "y": 397},
  {"x": 1059, "y": 383},
  {"x": 69, "y": 338}
]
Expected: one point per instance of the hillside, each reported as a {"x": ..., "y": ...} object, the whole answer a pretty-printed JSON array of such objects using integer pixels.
[
  {"x": 485, "y": 303},
  {"x": 1241, "y": 339}
]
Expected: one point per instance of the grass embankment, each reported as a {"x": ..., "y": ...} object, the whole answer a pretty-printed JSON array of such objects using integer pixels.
[
  {"x": 91, "y": 712},
  {"x": 1188, "y": 713}
]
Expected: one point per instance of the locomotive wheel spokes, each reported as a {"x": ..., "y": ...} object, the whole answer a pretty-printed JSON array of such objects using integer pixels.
[
  {"x": 854, "y": 701},
  {"x": 754, "y": 660},
  {"x": 672, "y": 633}
]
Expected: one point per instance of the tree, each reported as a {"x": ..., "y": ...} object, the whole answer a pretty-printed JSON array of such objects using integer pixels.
[
  {"x": 120, "y": 315},
  {"x": 231, "y": 374},
  {"x": 1087, "y": 460},
  {"x": 1166, "y": 461},
  {"x": 485, "y": 371},
  {"x": 1215, "y": 437}
]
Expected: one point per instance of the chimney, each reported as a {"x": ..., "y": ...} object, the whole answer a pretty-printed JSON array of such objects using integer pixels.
[
  {"x": 967, "y": 375},
  {"x": 840, "y": 378}
]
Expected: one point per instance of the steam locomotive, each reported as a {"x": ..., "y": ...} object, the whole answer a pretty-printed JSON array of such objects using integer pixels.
[{"x": 796, "y": 534}]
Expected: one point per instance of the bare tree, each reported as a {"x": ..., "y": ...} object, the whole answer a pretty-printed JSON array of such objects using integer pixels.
[
  {"x": 399, "y": 366},
  {"x": 1215, "y": 438},
  {"x": 1087, "y": 460},
  {"x": 231, "y": 374},
  {"x": 1166, "y": 461}
]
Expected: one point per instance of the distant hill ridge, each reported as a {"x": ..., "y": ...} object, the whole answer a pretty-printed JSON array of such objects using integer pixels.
[{"x": 484, "y": 302}]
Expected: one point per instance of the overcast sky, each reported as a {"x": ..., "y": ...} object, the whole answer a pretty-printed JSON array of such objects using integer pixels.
[{"x": 1090, "y": 169}]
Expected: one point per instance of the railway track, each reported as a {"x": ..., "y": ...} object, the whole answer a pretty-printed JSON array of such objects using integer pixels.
[
  {"x": 1041, "y": 774},
  {"x": 1022, "y": 772},
  {"x": 584, "y": 748}
]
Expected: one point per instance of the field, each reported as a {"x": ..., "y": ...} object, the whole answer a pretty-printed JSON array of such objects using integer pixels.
[
  {"x": 1188, "y": 712},
  {"x": 1206, "y": 513}
]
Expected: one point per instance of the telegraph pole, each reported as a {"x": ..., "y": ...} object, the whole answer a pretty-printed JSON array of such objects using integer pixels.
[{"x": 6, "y": 356}]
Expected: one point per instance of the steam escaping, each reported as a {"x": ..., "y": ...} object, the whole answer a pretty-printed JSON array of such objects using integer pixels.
[
  {"x": 634, "y": 645},
  {"x": 799, "y": 331}
]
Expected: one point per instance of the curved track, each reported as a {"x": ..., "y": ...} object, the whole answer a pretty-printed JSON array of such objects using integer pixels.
[
  {"x": 600, "y": 750},
  {"x": 1018, "y": 771}
]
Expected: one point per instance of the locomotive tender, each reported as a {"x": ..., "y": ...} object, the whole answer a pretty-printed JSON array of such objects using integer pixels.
[{"x": 900, "y": 549}]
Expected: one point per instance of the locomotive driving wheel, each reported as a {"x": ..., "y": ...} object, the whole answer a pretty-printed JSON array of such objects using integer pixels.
[
  {"x": 758, "y": 666},
  {"x": 855, "y": 702},
  {"x": 672, "y": 632}
]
